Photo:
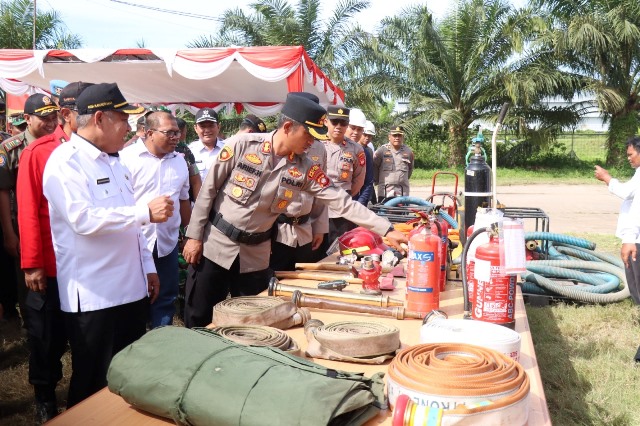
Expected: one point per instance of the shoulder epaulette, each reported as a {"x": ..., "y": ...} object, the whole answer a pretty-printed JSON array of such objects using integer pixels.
[{"x": 11, "y": 144}]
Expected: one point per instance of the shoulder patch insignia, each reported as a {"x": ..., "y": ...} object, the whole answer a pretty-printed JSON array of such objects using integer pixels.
[
  {"x": 225, "y": 153},
  {"x": 266, "y": 147},
  {"x": 253, "y": 158},
  {"x": 313, "y": 171},
  {"x": 362, "y": 159},
  {"x": 293, "y": 171},
  {"x": 12, "y": 144}
]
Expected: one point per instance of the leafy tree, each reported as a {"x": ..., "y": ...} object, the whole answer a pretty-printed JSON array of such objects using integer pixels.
[
  {"x": 16, "y": 28},
  {"x": 599, "y": 40},
  {"x": 461, "y": 69}
]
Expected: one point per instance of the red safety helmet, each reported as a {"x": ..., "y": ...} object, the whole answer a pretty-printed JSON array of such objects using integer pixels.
[{"x": 363, "y": 241}]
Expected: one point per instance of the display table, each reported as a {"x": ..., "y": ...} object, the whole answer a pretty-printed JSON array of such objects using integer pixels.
[{"x": 105, "y": 408}]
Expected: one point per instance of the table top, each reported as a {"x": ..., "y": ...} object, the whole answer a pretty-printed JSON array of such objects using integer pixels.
[{"x": 105, "y": 408}]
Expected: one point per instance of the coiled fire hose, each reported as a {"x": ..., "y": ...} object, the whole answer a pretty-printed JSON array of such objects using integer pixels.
[
  {"x": 406, "y": 199},
  {"x": 259, "y": 335},
  {"x": 459, "y": 384},
  {"x": 259, "y": 310},
  {"x": 575, "y": 259},
  {"x": 353, "y": 341}
]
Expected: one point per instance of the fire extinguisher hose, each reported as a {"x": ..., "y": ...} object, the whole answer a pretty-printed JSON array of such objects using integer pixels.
[
  {"x": 259, "y": 335},
  {"x": 406, "y": 199},
  {"x": 353, "y": 341},
  {"x": 575, "y": 292},
  {"x": 469, "y": 384},
  {"x": 259, "y": 310}
]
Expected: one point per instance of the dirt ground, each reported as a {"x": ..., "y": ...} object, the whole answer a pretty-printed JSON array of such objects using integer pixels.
[{"x": 570, "y": 208}]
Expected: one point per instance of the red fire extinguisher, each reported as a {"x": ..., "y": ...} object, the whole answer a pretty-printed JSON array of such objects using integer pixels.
[
  {"x": 423, "y": 269},
  {"x": 494, "y": 300}
]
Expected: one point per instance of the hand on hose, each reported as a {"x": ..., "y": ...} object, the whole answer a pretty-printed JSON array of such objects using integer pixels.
[
  {"x": 628, "y": 250},
  {"x": 397, "y": 240}
]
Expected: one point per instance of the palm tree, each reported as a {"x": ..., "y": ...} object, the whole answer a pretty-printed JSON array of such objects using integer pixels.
[
  {"x": 599, "y": 40},
  {"x": 460, "y": 69},
  {"x": 277, "y": 23},
  {"x": 16, "y": 28}
]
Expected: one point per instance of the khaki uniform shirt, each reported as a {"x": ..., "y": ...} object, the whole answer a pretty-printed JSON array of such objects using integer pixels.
[
  {"x": 318, "y": 223},
  {"x": 10, "y": 151},
  {"x": 392, "y": 170},
  {"x": 250, "y": 186},
  {"x": 346, "y": 166}
]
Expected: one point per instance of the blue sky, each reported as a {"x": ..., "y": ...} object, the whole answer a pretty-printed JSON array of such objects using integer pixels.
[{"x": 112, "y": 24}]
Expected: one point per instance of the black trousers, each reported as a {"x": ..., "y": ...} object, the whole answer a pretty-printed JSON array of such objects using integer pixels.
[
  {"x": 633, "y": 277},
  {"x": 47, "y": 339},
  {"x": 209, "y": 283},
  {"x": 284, "y": 257},
  {"x": 95, "y": 337}
]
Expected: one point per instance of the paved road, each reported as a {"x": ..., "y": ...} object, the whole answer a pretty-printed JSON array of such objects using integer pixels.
[{"x": 570, "y": 208}]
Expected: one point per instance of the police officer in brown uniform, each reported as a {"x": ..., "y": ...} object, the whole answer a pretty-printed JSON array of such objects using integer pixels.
[
  {"x": 255, "y": 178},
  {"x": 346, "y": 166},
  {"x": 299, "y": 237},
  {"x": 393, "y": 166},
  {"x": 40, "y": 112}
]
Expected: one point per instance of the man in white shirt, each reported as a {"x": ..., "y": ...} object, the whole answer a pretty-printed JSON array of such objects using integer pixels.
[
  {"x": 628, "y": 229},
  {"x": 157, "y": 169},
  {"x": 206, "y": 148},
  {"x": 106, "y": 274}
]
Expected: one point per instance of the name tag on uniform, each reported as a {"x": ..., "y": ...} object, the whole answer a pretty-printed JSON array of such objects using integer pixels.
[{"x": 102, "y": 181}]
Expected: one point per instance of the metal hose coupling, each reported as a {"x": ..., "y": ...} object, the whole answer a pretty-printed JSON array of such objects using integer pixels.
[
  {"x": 259, "y": 310},
  {"x": 458, "y": 382}
]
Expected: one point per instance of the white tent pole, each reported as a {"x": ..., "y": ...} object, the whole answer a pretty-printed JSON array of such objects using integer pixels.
[{"x": 494, "y": 155}]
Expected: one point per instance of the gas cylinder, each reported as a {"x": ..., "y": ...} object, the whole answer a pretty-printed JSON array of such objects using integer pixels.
[
  {"x": 423, "y": 269},
  {"x": 477, "y": 188},
  {"x": 494, "y": 300}
]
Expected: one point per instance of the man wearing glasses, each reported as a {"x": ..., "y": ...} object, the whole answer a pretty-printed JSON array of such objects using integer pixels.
[
  {"x": 157, "y": 169},
  {"x": 346, "y": 166}
]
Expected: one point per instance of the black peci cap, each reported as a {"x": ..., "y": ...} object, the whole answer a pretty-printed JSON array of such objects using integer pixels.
[
  {"x": 206, "y": 114},
  {"x": 308, "y": 113},
  {"x": 306, "y": 95},
  {"x": 104, "y": 97},
  {"x": 396, "y": 130}
]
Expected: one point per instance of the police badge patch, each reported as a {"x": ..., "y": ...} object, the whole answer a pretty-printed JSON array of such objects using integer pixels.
[{"x": 225, "y": 153}]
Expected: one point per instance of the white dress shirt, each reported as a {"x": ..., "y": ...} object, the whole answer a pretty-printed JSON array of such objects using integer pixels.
[
  {"x": 101, "y": 253},
  {"x": 153, "y": 177},
  {"x": 204, "y": 156},
  {"x": 628, "y": 229}
]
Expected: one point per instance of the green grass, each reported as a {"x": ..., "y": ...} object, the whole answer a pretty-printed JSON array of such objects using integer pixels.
[
  {"x": 578, "y": 175},
  {"x": 585, "y": 355}
]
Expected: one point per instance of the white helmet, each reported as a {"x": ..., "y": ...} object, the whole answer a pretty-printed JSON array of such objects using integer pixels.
[
  {"x": 369, "y": 128},
  {"x": 357, "y": 117}
]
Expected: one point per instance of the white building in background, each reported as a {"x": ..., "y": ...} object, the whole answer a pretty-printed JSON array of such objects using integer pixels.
[{"x": 592, "y": 119}]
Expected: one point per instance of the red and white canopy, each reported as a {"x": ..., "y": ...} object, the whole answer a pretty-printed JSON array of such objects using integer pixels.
[{"x": 253, "y": 78}]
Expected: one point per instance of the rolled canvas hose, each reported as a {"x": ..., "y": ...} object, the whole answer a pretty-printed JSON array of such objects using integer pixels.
[
  {"x": 259, "y": 310},
  {"x": 468, "y": 384},
  {"x": 259, "y": 335},
  {"x": 353, "y": 341}
]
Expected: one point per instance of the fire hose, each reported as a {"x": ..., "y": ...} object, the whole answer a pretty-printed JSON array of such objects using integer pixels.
[
  {"x": 259, "y": 310},
  {"x": 575, "y": 259},
  {"x": 353, "y": 341},
  {"x": 406, "y": 199},
  {"x": 259, "y": 335},
  {"x": 460, "y": 383}
]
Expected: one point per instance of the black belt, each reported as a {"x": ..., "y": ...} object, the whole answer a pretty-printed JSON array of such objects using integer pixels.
[
  {"x": 236, "y": 234},
  {"x": 300, "y": 220}
]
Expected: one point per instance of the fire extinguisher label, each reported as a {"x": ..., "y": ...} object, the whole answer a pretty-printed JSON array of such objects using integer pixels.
[
  {"x": 421, "y": 289},
  {"x": 421, "y": 256}
]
